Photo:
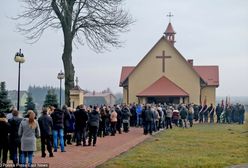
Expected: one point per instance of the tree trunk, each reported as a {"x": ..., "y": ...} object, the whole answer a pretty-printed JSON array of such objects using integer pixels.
[{"x": 68, "y": 68}]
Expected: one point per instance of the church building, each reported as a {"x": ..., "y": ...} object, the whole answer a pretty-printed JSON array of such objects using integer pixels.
[{"x": 165, "y": 76}]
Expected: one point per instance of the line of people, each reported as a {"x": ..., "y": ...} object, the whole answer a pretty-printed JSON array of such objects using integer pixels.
[
  {"x": 60, "y": 127},
  {"x": 158, "y": 116},
  {"x": 57, "y": 128},
  {"x": 19, "y": 136}
]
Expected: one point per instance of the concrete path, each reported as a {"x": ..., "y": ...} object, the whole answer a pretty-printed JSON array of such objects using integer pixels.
[{"x": 88, "y": 157}]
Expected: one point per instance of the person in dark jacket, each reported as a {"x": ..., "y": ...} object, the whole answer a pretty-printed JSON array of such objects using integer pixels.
[
  {"x": 107, "y": 121},
  {"x": 4, "y": 130},
  {"x": 126, "y": 114},
  {"x": 148, "y": 120},
  {"x": 102, "y": 124},
  {"x": 205, "y": 113},
  {"x": 71, "y": 128},
  {"x": 58, "y": 128},
  {"x": 94, "y": 118},
  {"x": 119, "y": 119},
  {"x": 46, "y": 125},
  {"x": 66, "y": 122},
  {"x": 201, "y": 109},
  {"x": 14, "y": 139},
  {"x": 143, "y": 115},
  {"x": 183, "y": 115},
  {"x": 211, "y": 113},
  {"x": 241, "y": 110},
  {"x": 196, "y": 112},
  {"x": 219, "y": 110},
  {"x": 81, "y": 118}
]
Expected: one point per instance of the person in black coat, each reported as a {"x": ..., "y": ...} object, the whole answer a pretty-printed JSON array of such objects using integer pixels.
[
  {"x": 66, "y": 124},
  {"x": 126, "y": 114},
  {"x": 14, "y": 139},
  {"x": 81, "y": 118},
  {"x": 211, "y": 113},
  {"x": 119, "y": 119},
  {"x": 4, "y": 130},
  {"x": 94, "y": 118},
  {"x": 46, "y": 125},
  {"x": 205, "y": 113},
  {"x": 71, "y": 129},
  {"x": 218, "y": 110},
  {"x": 58, "y": 128},
  {"x": 102, "y": 124},
  {"x": 148, "y": 117}
]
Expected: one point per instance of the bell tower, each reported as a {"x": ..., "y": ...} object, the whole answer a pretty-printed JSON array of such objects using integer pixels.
[{"x": 169, "y": 33}]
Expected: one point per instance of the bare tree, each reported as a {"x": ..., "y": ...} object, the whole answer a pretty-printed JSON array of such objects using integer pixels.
[{"x": 94, "y": 22}]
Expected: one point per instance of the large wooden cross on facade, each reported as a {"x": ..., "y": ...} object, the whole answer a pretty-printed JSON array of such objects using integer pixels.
[{"x": 163, "y": 57}]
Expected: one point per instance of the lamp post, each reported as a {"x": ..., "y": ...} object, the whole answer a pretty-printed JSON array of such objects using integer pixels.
[
  {"x": 60, "y": 77},
  {"x": 19, "y": 58}
]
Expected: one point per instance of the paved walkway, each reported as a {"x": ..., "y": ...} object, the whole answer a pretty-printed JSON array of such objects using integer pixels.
[{"x": 89, "y": 157}]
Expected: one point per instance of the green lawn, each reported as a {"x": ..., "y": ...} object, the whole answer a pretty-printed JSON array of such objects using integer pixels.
[{"x": 201, "y": 146}]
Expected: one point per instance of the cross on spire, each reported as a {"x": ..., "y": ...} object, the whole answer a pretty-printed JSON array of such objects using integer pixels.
[
  {"x": 163, "y": 57},
  {"x": 170, "y": 16},
  {"x": 76, "y": 81}
]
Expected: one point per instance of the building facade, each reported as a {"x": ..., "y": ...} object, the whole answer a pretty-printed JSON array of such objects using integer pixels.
[{"x": 165, "y": 76}]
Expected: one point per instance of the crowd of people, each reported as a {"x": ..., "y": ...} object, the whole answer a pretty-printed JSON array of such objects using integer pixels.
[
  {"x": 57, "y": 127},
  {"x": 159, "y": 116}
]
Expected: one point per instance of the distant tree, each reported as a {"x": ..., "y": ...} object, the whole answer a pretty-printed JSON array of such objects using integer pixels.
[
  {"x": 29, "y": 105},
  {"x": 5, "y": 103},
  {"x": 51, "y": 98},
  {"x": 94, "y": 22},
  {"x": 39, "y": 94}
]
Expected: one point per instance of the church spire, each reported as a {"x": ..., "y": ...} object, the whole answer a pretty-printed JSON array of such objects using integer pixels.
[{"x": 169, "y": 32}]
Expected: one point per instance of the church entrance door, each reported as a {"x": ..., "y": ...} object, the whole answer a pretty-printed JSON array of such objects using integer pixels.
[{"x": 167, "y": 100}]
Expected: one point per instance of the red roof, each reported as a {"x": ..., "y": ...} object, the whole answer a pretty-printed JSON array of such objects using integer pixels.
[
  {"x": 126, "y": 70},
  {"x": 169, "y": 29},
  {"x": 210, "y": 74},
  {"x": 163, "y": 87}
]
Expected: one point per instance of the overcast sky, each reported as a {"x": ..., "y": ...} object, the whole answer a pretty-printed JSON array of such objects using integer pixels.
[{"x": 210, "y": 32}]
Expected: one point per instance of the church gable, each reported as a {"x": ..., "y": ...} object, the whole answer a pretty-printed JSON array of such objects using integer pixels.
[
  {"x": 162, "y": 55},
  {"x": 163, "y": 60},
  {"x": 165, "y": 75}
]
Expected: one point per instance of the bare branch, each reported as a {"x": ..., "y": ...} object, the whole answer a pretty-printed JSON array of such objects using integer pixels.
[{"x": 96, "y": 22}]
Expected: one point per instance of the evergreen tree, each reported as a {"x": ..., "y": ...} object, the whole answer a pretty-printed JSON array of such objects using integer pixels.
[
  {"x": 29, "y": 105},
  {"x": 5, "y": 103},
  {"x": 51, "y": 98},
  {"x": 39, "y": 94}
]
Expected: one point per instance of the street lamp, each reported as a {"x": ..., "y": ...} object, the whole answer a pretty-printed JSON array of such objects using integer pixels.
[
  {"x": 60, "y": 77},
  {"x": 19, "y": 58}
]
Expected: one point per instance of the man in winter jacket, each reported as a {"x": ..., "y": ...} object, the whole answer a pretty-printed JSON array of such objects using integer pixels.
[
  {"x": 219, "y": 110},
  {"x": 93, "y": 122},
  {"x": 183, "y": 115},
  {"x": 126, "y": 114},
  {"x": 46, "y": 125},
  {"x": 58, "y": 128},
  {"x": 81, "y": 118},
  {"x": 149, "y": 119},
  {"x": 66, "y": 122},
  {"x": 14, "y": 138},
  {"x": 4, "y": 129},
  {"x": 211, "y": 113}
]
